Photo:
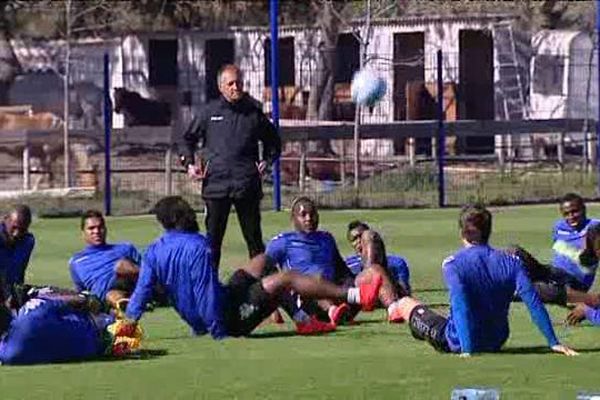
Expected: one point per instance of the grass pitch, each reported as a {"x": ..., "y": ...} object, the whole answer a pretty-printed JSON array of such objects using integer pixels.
[{"x": 371, "y": 360}]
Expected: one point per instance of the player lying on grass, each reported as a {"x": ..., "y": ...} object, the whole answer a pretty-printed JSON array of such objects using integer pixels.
[
  {"x": 109, "y": 271},
  {"x": 576, "y": 249},
  {"x": 481, "y": 281},
  {"x": 396, "y": 265},
  {"x": 181, "y": 261},
  {"x": 16, "y": 244},
  {"x": 310, "y": 251},
  {"x": 46, "y": 325}
]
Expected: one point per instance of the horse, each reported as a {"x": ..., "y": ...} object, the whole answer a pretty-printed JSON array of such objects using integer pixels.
[
  {"x": 44, "y": 91},
  {"x": 42, "y": 152},
  {"x": 138, "y": 110}
]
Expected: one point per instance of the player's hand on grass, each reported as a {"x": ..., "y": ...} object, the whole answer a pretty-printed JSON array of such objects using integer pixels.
[
  {"x": 562, "y": 349},
  {"x": 465, "y": 355},
  {"x": 576, "y": 315}
]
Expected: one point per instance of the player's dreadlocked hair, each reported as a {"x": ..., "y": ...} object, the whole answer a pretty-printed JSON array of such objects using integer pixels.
[
  {"x": 173, "y": 212},
  {"x": 302, "y": 201},
  {"x": 475, "y": 223}
]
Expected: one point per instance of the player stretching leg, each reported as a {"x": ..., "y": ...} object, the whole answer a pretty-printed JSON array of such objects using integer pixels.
[
  {"x": 181, "y": 261},
  {"x": 481, "y": 281},
  {"x": 310, "y": 251}
]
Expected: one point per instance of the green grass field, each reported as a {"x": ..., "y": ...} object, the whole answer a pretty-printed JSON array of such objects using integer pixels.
[{"x": 371, "y": 360}]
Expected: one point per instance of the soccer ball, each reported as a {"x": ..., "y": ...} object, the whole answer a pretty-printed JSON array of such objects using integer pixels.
[{"x": 367, "y": 88}]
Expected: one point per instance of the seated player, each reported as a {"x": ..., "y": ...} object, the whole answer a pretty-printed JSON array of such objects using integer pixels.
[
  {"x": 570, "y": 234},
  {"x": 109, "y": 271},
  {"x": 181, "y": 261},
  {"x": 481, "y": 281},
  {"x": 53, "y": 325},
  {"x": 313, "y": 252},
  {"x": 576, "y": 250},
  {"x": 396, "y": 265},
  {"x": 310, "y": 251},
  {"x": 16, "y": 244}
]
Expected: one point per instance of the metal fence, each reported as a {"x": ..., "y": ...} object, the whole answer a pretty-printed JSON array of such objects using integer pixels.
[{"x": 398, "y": 157}]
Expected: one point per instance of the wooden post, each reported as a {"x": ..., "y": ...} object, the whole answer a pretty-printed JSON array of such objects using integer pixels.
[
  {"x": 560, "y": 150},
  {"x": 302, "y": 166},
  {"x": 26, "y": 167},
  {"x": 169, "y": 171},
  {"x": 343, "y": 163},
  {"x": 501, "y": 152},
  {"x": 412, "y": 151}
]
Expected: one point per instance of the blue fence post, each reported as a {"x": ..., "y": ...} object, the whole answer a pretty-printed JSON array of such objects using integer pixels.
[
  {"x": 107, "y": 134},
  {"x": 441, "y": 134},
  {"x": 274, "y": 11},
  {"x": 598, "y": 94}
]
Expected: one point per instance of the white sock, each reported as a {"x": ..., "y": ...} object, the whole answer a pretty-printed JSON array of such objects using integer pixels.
[
  {"x": 354, "y": 295},
  {"x": 301, "y": 316},
  {"x": 392, "y": 307}
]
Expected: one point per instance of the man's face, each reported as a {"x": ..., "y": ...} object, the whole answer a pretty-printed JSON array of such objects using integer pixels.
[
  {"x": 354, "y": 237},
  {"x": 16, "y": 227},
  {"x": 94, "y": 231},
  {"x": 306, "y": 218},
  {"x": 231, "y": 86},
  {"x": 573, "y": 213}
]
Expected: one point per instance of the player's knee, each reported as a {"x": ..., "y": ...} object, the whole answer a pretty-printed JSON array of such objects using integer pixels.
[{"x": 127, "y": 268}]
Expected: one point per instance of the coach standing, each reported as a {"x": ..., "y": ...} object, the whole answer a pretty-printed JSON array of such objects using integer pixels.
[{"x": 229, "y": 129}]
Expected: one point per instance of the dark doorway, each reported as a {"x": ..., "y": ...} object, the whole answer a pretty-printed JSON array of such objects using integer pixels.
[
  {"x": 287, "y": 70},
  {"x": 347, "y": 62},
  {"x": 476, "y": 87},
  {"x": 347, "y": 55},
  {"x": 218, "y": 53},
  {"x": 162, "y": 62},
  {"x": 409, "y": 67}
]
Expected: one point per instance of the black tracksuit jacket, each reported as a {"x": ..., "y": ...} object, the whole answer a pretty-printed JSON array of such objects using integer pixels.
[{"x": 229, "y": 135}]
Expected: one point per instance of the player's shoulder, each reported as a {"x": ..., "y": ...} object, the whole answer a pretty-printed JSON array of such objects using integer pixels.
[
  {"x": 449, "y": 261},
  {"x": 324, "y": 235},
  {"x": 283, "y": 236},
  {"x": 396, "y": 260},
  {"x": 125, "y": 247},
  {"x": 593, "y": 222},
  {"x": 561, "y": 227},
  {"x": 79, "y": 256},
  {"x": 29, "y": 238}
]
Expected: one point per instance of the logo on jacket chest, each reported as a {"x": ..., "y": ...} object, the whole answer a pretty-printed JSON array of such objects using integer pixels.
[{"x": 216, "y": 118}]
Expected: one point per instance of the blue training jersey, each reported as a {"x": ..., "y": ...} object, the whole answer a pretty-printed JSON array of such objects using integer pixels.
[
  {"x": 397, "y": 266},
  {"x": 567, "y": 244},
  {"x": 14, "y": 260},
  {"x": 181, "y": 262},
  {"x": 93, "y": 268},
  {"x": 481, "y": 282},
  {"x": 593, "y": 315},
  {"x": 313, "y": 253},
  {"x": 46, "y": 331}
]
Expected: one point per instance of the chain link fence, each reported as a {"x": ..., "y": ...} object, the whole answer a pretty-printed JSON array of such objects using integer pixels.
[{"x": 320, "y": 158}]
